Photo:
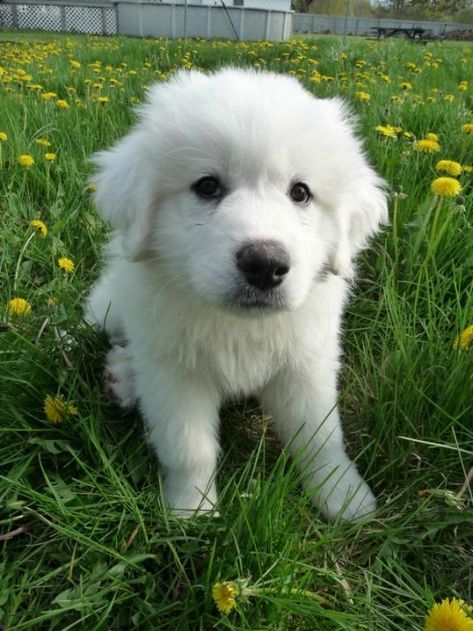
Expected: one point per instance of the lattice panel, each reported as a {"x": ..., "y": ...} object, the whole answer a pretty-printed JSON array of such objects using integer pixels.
[
  {"x": 84, "y": 20},
  {"x": 111, "y": 26},
  {"x": 6, "y": 16},
  {"x": 45, "y": 18}
]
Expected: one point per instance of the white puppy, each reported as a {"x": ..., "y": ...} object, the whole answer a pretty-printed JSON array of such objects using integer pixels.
[{"x": 239, "y": 202}]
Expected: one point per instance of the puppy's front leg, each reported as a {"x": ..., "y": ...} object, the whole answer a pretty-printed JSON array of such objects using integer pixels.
[
  {"x": 181, "y": 412},
  {"x": 303, "y": 405}
]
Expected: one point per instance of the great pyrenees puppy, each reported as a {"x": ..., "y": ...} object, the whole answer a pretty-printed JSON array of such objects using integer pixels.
[{"x": 239, "y": 202}]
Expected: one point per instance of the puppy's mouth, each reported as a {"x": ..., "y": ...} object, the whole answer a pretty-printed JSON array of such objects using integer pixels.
[{"x": 254, "y": 301}]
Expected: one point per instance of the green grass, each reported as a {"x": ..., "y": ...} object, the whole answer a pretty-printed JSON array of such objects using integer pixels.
[{"x": 97, "y": 549}]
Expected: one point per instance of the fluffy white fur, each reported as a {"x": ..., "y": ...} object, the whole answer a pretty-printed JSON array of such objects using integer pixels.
[{"x": 169, "y": 296}]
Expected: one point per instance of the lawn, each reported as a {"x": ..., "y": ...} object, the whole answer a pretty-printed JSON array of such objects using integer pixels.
[{"x": 87, "y": 542}]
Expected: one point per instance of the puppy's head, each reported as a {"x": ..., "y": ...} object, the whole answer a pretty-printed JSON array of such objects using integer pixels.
[{"x": 242, "y": 187}]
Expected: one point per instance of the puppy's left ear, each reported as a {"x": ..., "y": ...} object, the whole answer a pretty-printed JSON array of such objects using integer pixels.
[
  {"x": 360, "y": 212},
  {"x": 123, "y": 194}
]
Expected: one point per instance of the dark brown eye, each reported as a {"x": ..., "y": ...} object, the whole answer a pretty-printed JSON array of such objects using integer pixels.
[
  {"x": 300, "y": 193},
  {"x": 207, "y": 187}
]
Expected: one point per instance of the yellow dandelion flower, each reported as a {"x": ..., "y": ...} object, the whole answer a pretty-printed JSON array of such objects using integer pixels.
[
  {"x": 103, "y": 99},
  {"x": 50, "y": 157},
  {"x": 449, "y": 615},
  {"x": 43, "y": 142},
  {"x": 224, "y": 595},
  {"x": 463, "y": 86},
  {"x": 432, "y": 136},
  {"x": 18, "y": 307},
  {"x": 66, "y": 264},
  {"x": 467, "y": 168},
  {"x": 362, "y": 96},
  {"x": 57, "y": 410},
  {"x": 64, "y": 105},
  {"x": 74, "y": 63},
  {"x": 25, "y": 160},
  {"x": 47, "y": 96},
  {"x": 467, "y": 128},
  {"x": 449, "y": 166},
  {"x": 39, "y": 227},
  {"x": 3, "y": 136},
  {"x": 449, "y": 98},
  {"x": 446, "y": 186},
  {"x": 464, "y": 340},
  {"x": 405, "y": 85},
  {"x": 386, "y": 130},
  {"x": 427, "y": 146}
]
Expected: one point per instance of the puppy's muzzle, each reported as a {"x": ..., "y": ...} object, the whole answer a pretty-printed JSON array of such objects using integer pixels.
[{"x": 264, "y": 264}]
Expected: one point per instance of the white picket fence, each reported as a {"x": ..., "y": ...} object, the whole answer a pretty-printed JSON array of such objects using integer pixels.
[
  {"x": 144, "y": 18},
  {"x": 99, "y": 19}
]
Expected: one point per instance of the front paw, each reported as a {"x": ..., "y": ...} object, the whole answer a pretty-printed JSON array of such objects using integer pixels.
[
  {"x": 346, "y": 496},
  {"x": 119, "y": 380},
  {"x": 188, "y": 497}
]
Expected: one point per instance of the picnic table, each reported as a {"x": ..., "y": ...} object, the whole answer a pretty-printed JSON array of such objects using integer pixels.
[{"x": 416, "y": 33}]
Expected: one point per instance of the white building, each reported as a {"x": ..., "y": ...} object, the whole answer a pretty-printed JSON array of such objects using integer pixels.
[{"x": 272, "y": 5}]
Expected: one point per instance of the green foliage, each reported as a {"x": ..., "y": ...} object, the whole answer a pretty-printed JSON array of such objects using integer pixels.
[
  {"x": 354, "y": 8},
  {"x": 450, "y": 10},
  {"x": 91, "y": 544}
]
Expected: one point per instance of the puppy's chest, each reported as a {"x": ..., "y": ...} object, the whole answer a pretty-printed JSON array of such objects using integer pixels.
[
  {"x": 244, "y": 368},
  {"x": 240, "y": 360}
]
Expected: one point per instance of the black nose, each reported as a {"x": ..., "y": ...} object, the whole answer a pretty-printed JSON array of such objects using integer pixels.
[{"x": 263, "y": 263}]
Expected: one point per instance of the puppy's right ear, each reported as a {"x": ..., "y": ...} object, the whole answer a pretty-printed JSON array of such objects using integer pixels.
[{"x": 123, "y": 195}]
